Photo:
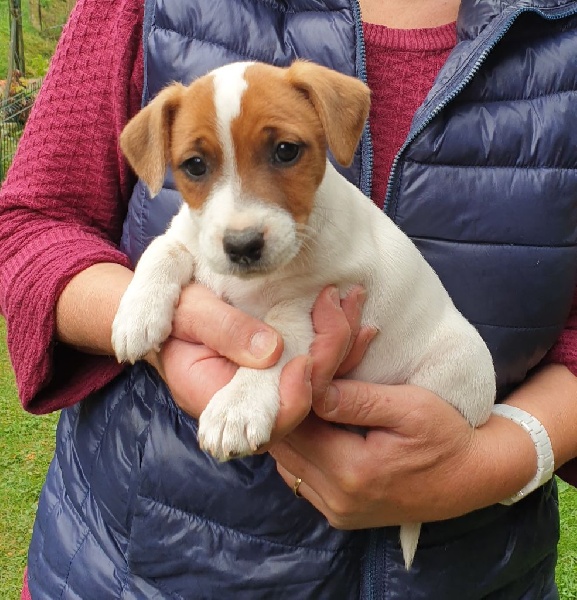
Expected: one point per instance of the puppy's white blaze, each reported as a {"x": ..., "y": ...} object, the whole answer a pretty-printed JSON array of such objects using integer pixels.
[
  {"x": 218, "y": 211},
  {"x": 227, "y": 207},
  {"x": 229, "y": 86}
]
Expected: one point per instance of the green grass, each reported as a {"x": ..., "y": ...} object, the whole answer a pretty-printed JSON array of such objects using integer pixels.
[
  {"x": 567, "y": 565},
  {"x": 26, "y": 446},
  {"x": 38, "y": 46}
]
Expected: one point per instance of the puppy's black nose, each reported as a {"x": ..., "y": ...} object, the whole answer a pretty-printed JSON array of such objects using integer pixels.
[{"x": 243, "y": 247}]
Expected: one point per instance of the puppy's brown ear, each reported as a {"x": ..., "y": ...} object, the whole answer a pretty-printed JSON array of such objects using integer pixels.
[
  {"x": 145, "y": 141},
  {"x": 342, "y": 103}
]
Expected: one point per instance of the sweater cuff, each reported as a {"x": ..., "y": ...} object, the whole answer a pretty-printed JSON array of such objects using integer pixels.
[
  {"x": 564, "y": 351},
  {"x": 50, "y": 376}
]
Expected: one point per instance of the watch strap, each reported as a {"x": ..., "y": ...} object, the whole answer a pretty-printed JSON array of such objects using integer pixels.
[{"x": 543, "y": 448}]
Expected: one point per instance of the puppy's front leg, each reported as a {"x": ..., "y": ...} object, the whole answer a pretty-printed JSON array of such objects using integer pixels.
[
  {"x": 240, "y": 417},
  {"x": 144, "y": 318}
]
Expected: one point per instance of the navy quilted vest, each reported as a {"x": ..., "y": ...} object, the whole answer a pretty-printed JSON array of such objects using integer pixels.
[{"x": 485, "y": 185}]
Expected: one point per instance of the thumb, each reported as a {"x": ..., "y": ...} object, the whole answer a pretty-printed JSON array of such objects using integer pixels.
[
  {"x": 202, "y": 317},
  {"x": 366, "y": 404}
]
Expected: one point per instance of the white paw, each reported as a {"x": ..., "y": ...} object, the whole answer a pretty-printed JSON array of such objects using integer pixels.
[
  {"x": 143, "y": 321},
  {"x": 236, "y": 424}
]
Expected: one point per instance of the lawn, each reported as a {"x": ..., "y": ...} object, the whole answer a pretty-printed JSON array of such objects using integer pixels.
[
  {"x": 567, "y": 565},
  {"x": 26, "y": 445},
  {"x": 38, "y": 46}
]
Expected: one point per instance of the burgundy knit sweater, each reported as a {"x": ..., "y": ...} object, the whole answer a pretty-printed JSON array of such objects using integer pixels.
[{"x": 65, "y": 197}]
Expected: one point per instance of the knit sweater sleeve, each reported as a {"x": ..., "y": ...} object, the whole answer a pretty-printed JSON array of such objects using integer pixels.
[
  {"x": 65, "y": 197},
  {"x": 565, "y": 349}
]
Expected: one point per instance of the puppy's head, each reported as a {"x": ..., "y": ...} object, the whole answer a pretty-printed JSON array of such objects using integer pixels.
[{"x": 247, "y": 144}]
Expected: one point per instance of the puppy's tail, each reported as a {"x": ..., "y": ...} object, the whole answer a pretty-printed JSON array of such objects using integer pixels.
[{"x": 409, "y": 536}]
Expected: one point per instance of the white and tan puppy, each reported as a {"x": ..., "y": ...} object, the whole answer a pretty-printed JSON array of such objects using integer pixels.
[{"x": 267, "y": 223}]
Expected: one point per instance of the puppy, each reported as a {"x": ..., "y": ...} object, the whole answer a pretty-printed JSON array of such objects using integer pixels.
[{"x": 267, "y": 222}]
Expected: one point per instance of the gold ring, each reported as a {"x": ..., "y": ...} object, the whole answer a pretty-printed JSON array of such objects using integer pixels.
[{"x": 296, "y": 486}]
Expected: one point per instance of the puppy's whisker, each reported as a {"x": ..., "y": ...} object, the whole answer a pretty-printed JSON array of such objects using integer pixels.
[
  {"x": 308, "y": 242},
  {"x": 306, "y": 233}
]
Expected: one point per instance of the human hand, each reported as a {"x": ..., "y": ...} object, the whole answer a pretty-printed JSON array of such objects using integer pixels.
[
  {"x": 419, "y": 460},
  {"x": 210, "y": 339}
]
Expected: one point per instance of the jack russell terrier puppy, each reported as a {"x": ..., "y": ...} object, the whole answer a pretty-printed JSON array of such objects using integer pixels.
[{"x": 266, "y": 223}]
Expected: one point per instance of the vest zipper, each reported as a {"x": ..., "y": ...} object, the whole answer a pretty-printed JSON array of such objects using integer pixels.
[
  {"x": 373, "y": 576},
  {"x": 366, "y": 175},
  {"x": 488, "y": 47}
]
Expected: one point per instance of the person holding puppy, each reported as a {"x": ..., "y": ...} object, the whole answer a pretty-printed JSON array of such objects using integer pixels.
[{"x": 468, "y": 151}]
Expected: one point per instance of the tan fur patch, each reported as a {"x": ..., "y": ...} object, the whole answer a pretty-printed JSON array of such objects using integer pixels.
[
  {"x": 305, "y": 104},
  {"x": 274, "y": 111},
  {"x": 342, "y": 104},
  {"x": 194, "y": 133}
]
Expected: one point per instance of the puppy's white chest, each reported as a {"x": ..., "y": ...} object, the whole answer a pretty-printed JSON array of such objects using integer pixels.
[{"x": 248, "y": 295}]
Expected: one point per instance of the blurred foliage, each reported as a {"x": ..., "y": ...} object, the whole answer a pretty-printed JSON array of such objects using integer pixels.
[{"x": 39, "y": 44}]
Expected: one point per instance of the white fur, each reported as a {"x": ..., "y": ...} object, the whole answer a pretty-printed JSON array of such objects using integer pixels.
[
  {"x": 228, "y": 209},
  {"x": 229, "y": 86},
  {"x": 424, "y": 340}
]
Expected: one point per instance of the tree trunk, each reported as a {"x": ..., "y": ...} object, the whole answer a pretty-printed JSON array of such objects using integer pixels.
[{"x": 16, "y": 57}]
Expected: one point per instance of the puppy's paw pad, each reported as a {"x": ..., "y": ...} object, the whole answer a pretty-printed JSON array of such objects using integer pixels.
[{"x": 231, "y": 430}]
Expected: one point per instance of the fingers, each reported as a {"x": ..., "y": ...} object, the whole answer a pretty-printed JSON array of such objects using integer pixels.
[
  {"x": 360, "y": 337},
  {"x": 291, "y": 464},
  {"x": 202, "y": 317},
  {"x": 193, "y": 372},
  {"x": 352, "y": 307},
  {"x": 336, "y": 325},
  {"x": 357, "y": 350},
  {"x": 319, "y": 446},
  {"x": 205, "y": 327},
  {"x": 331, "y": 470},
  {"x": 354, "y": 403},
  {"x": 295, "y": 395},
  {"x": 304, "y": 489},
  {"x": 295, "y": 398},
  {"x": 393, "y": 407}
]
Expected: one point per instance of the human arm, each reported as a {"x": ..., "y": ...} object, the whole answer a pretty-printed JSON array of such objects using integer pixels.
[
  {"x": 420, "y": 461},
  {"x": 62, "y": 208},
  {"x": 564, "y": 352},
  {"x": 207, "y": 333},
  {"x": 65, "y": 196}
]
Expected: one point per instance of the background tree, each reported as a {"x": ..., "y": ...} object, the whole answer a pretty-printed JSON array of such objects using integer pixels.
[{"x": 16, "y": 56}]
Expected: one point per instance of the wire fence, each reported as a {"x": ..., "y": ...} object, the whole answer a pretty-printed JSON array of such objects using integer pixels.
[
  {"x": 49, "y": 16},
  {"x": 14, "y": 113}
]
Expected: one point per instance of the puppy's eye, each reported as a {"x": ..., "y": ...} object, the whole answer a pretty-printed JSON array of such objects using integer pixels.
[
  {"x": 286, "y": 153},
  {"x": 194, "y": 167}
]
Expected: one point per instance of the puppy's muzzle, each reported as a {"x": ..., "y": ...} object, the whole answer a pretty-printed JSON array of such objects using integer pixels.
[{"x": 243, "y": 247}]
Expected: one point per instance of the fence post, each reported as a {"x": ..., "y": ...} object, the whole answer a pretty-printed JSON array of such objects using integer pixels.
[
  {"x": 16, "y": 62},
  {"x": 14, "y": 113}
]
